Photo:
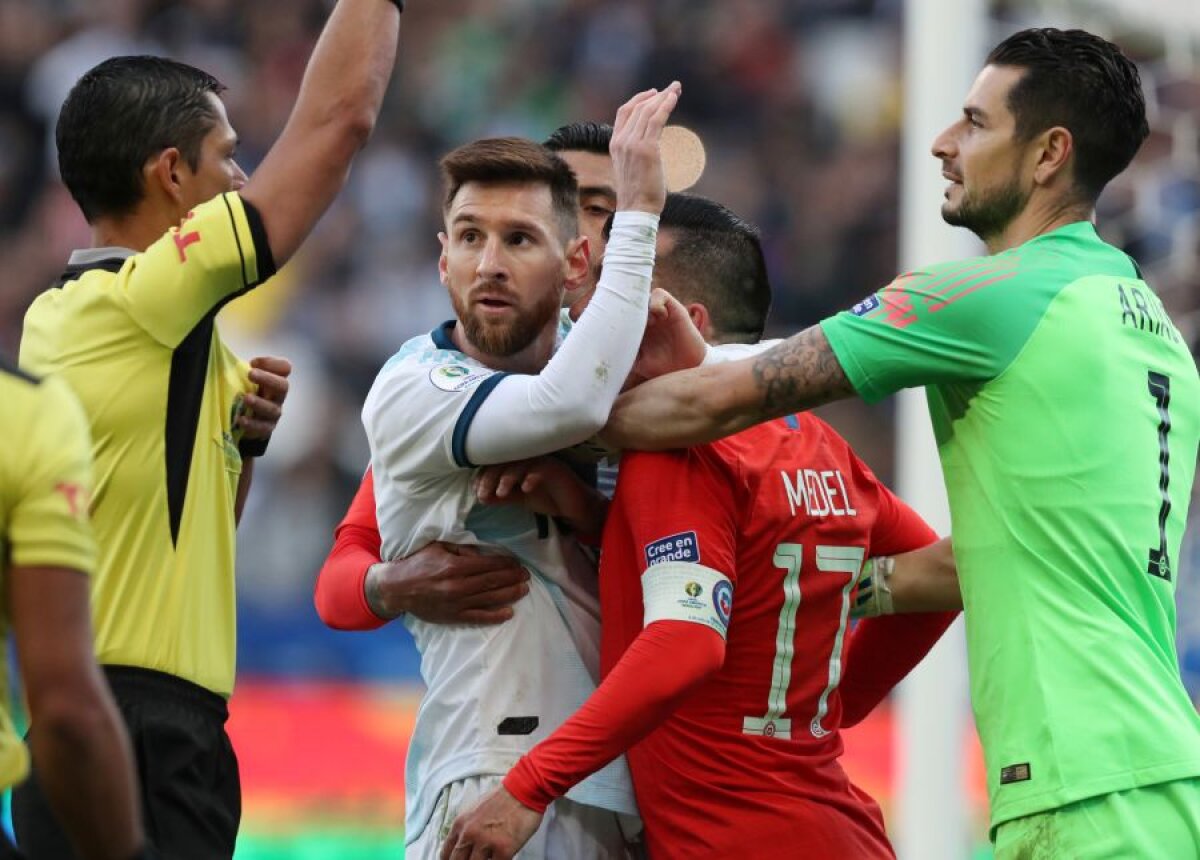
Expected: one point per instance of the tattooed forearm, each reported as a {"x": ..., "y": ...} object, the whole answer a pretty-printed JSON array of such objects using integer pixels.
[{"x": 798, "y": 374}]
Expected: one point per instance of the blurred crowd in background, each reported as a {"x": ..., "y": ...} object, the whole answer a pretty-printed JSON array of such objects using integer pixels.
[{"x": 797, "y": 102}]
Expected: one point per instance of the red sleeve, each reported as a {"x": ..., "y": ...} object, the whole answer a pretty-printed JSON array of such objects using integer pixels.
[
  {"x": 665, "y": 662},
  {"x": 883, "y": 650},
  {"x": 339, "y": 595},
  {"x": 682, "y": 503}
]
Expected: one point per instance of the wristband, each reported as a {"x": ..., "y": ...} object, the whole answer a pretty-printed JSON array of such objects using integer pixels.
[
  {"x": 253, "y": 447},
  {"x": 873, "y": 596}
]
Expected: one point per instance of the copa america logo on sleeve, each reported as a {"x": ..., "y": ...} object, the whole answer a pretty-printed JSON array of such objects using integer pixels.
[
  {"x": 457, "y": 377},
  {"x": 723, "y": 600},
  {"x": 865, "y": 306}
]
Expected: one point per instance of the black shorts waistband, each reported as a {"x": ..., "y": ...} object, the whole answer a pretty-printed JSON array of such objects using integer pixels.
[{"x": 137, "y": 679}]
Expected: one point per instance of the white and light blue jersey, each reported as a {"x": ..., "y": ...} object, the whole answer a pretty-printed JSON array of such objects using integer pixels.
[{"x": 495, "y": 691}]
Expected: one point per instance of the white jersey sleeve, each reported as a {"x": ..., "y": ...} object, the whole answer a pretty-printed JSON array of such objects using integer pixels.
[{"x": 416, "y": 416}]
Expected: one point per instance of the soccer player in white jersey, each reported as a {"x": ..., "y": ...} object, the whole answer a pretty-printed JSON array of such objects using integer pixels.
[{"x": 489, "y": 387}]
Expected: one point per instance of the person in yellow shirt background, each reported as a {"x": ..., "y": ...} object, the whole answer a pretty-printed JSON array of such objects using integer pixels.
[{"x": 47, "y": 554}]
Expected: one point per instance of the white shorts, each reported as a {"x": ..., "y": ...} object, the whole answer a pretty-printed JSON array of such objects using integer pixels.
[{"x": 569, "y": 831}]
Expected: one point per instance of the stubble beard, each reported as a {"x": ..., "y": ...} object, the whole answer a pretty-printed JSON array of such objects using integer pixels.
[
  {"x": 503, "y": 339},
  {"x": 987, "y": 215}
]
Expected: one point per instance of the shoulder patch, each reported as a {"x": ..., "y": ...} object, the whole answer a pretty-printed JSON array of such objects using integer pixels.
[
  {"x": 865, "y": 306},
  {"x": 683, "y": 546},
  {"x": 723, "y": 600},
  {"x": 457, "y": 377}
]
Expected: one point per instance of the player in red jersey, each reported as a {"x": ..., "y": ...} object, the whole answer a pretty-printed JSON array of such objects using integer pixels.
[{"x": 726, "y": 581}]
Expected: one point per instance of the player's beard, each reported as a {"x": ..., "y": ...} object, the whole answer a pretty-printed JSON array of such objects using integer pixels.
[
  {"x": 503, "y": 339},
  {"x": 987, "y": 214}
]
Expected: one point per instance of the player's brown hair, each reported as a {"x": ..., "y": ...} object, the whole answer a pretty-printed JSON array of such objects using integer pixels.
[{"x": 514, "y": 161}]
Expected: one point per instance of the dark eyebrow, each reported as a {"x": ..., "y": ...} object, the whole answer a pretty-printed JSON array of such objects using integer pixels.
[
  {"x": 515, "y": 226},
  {"x": 603, "y": 190}
]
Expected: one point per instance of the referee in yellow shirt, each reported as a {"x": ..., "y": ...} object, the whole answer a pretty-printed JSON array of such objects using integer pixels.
[
  {"x": 46, "y": 555},
  {"x": 147, "y": 151}
]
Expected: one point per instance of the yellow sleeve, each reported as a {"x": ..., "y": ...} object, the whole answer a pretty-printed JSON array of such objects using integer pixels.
[
  {"x": 49, "y": 525},
  {"x": 217, "y": 253}
]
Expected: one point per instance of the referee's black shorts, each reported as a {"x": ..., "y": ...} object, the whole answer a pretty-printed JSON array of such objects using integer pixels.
[{"x": 191, "y": 794}]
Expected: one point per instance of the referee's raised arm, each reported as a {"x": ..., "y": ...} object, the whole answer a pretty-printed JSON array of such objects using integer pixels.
[{"x": 334, "y": 115}]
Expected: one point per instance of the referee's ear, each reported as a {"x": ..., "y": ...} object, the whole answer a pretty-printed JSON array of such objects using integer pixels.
[{"x": 162, "y": 180}]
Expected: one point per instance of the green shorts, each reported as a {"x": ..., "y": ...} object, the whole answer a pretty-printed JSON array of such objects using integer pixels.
[{"x": 1155, "y": 822}]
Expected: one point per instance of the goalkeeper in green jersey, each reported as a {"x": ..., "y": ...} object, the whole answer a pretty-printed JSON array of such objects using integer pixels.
[{"x": 1066, "y": 407}]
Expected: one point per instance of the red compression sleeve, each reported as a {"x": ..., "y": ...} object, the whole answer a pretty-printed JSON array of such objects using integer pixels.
[
  {"x": 339, "y": 594},
  {"x": 666, "y": 661},
  {"x": 880, "y": 653}
]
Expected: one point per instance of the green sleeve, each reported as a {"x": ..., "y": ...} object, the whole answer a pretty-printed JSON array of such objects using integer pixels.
[{"x": 955, "y": 322}]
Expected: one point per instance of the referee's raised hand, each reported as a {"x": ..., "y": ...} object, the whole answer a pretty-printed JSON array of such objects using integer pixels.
[{"x": 637, "y": 161}]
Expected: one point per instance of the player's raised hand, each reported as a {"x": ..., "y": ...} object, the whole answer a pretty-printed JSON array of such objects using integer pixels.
[
  {"x": 496, "y": 829},
  {"x": 637, "y": 161}
]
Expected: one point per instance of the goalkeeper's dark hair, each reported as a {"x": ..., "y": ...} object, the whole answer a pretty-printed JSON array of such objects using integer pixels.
[
  {"x": 1085, "y": 84},
  {"x": 716, "y": 260},
  {"x": 580, "y": 136},
  {"x": 120, "y": 114},
  {"x": 514, "y": 161}
]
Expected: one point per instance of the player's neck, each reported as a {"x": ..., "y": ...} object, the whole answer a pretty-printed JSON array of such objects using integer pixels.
[
  {"x": 532, "y": 359},
  {"x": 137, "y": 230},
  {"x": 1036, "y": 219}
]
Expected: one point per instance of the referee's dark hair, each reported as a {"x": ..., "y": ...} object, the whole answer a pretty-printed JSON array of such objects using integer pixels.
[
  {"x": 514, "y": 160},
  {"x": 716, "y": 260},
  {"x": 122, "y": 113},
  {"x": 580, "y": 137},
  {"x": 1085, "y": 84}
]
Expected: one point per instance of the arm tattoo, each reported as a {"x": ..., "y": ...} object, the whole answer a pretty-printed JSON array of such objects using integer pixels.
[{"x": 798, "y": 374}]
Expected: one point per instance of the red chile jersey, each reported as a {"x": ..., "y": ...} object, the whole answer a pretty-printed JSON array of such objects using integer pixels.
[{"x": 748, "y": 762}]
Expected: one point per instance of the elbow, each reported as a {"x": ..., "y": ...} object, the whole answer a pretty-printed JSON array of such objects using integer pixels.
[
  {"x": 71, "y": 725},
  {"x": 358, "y": 125},
  {"x": 579, "y": 421},
  {"x": 323, "y": 604},
  {"x": 348, "y": 125}
]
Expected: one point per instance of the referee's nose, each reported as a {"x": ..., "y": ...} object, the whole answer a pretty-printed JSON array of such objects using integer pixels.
[{"x": 239, "y": 177}]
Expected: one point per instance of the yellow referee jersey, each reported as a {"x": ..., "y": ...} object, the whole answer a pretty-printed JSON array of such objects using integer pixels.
[
  {"x": 133, "y": 335},
  {"x": 45, "y": 482}
]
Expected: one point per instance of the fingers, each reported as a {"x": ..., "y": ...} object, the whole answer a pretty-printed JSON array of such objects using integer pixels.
[
  {"x": 496, "y": 483},
  {"x": 624, "y": 111},
  {"x": 260, "y": 416},
  {"x": 494, "y": 599},
  {"x": 484, "y": 617},
  {"x": 651, "y": 115},
  {"x": 262, "y": 408},
  {"x": 659, "y": 304},
  {"x": 272, "y": 386},
  {"x": 272, "y": 364},
  {"x": 504, "y": 569}
]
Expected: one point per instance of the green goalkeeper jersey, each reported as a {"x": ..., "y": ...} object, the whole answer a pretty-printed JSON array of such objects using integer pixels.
[{"x": 1066, "y": 407}]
